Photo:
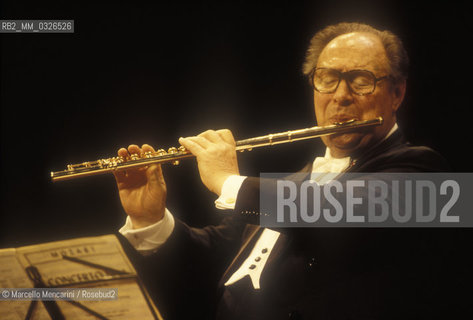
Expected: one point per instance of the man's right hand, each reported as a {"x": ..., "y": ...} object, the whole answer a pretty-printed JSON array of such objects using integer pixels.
[{"x": 142, "y": 190}]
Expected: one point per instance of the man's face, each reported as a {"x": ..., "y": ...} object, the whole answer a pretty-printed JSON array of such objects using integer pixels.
[{"x": 349, "y": 52}]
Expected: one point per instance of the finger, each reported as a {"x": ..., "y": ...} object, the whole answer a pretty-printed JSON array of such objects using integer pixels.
[
  {"x": 211, "y": 135},
  {"x": 134, "y": 149},
  {"x": 192, "y": 146},
  {"x": 120, "y": 177},
  {"x": 123, "y": 176},
  {"x": 227, "y": 136},
  {"x": 147, "y": 148},
  {"x": 203, "y": 142},
  {"x": 122, "y": 152}
]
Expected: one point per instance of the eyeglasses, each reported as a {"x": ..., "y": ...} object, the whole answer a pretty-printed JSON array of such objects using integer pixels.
[{"x": 360, "y": 82}]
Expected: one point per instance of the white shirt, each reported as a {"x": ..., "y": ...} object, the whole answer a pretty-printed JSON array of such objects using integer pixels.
[{"x": 150, "y": 238}]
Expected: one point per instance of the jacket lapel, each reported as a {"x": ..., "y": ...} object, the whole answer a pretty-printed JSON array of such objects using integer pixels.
[{"x": 250, "y": 236}]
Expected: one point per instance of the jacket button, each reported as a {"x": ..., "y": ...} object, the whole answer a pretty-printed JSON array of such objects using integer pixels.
[{"x": 312, "y": 262}]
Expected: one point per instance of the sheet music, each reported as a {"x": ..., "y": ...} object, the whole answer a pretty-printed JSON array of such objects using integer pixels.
[{"x": 132, "y": 301}]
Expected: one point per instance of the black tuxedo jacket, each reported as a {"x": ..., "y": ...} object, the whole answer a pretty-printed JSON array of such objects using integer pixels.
[{"x": 312, "y": 273}]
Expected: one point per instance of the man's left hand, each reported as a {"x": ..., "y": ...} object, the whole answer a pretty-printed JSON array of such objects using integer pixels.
[{"x": 216, "y": 157}]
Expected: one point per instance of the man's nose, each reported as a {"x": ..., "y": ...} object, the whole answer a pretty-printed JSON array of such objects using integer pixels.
[{"x": 343, "y": 95}]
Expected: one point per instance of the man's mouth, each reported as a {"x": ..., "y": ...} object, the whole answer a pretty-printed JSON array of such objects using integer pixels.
[{"x": 341, "y": 119}]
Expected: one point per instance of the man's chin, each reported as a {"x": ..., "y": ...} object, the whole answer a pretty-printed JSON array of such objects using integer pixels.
[
  {"x": 345, "y": 144},
  {"x": 346, "y": 140}
]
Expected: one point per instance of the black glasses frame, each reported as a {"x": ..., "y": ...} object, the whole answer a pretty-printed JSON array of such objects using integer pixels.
[{"x": 344, "y": 76}]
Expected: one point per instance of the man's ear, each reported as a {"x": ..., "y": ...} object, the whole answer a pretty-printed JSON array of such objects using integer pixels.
[{"x": 398, "y": 92}]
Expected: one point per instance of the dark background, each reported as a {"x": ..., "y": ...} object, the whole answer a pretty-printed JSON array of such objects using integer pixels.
[{"x": 150, "y": 73}]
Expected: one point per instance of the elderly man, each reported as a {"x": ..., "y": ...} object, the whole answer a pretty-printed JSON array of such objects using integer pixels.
[{"x": 238, "y": 270}]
